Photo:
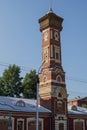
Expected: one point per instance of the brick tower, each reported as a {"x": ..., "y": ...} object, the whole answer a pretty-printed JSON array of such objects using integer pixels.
[{"x": 52, "y": 88}]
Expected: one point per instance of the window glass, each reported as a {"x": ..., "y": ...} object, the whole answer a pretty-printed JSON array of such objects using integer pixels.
[{"x": 20, "y": 125}]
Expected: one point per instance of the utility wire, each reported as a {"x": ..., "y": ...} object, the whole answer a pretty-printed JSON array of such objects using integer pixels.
[
  {"x": 76, "y": 93},
  {"x": 26, "y": 69},
  {"x": 76, "y": 80},
  {"x": 70, "y": 92},
  {"x": 7, "y": 65}
]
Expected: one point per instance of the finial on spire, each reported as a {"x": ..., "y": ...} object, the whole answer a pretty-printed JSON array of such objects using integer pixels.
[{"x": 50, "y": 8}]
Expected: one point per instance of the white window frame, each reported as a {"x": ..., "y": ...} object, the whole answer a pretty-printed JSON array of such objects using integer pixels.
[
  {"x": 57, "y": 50},
  {"x": 79, "y": 120},
  {"x": 20, "y": 119},
  {"x": 34, "y": 119},
  {"x": 7, "y": 117},
  {"x": 57, "y": 122}
]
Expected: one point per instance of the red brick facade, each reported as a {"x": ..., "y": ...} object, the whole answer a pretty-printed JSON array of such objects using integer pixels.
[
  {"x": 52, "y": 89},
  {"x": 26, "y": 118},
  {"x": 79, "y": 102}
]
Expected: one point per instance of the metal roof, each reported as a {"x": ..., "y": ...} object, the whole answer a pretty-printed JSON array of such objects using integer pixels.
[
  {"x": 20, "y": 104},
  {"x": 29, "y": 105},
  {"x": 78, "y": 110}
]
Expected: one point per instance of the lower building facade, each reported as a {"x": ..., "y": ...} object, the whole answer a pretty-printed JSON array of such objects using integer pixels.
[
  {"x": 20, "y": 114},
  {"x": 23, "y": 121}
]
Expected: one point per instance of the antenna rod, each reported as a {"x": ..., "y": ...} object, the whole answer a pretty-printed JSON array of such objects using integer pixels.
[{"x": 50, "y": 5}]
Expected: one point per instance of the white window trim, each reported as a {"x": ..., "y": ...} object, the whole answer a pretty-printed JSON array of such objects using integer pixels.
[
  {"x": 57, "y": 122},
  {"x": 34, "y": 119},
  {"x": 58, "y": 76},
  {"x": 7, "y": 117},
  {"x": 79, "y": 120},
  {"x": 57, "y": 50},
  {"x": 20, "y": 119}
]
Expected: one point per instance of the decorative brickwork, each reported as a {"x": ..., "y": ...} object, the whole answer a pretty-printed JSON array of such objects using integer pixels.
[{"x": 52, "y": 88}]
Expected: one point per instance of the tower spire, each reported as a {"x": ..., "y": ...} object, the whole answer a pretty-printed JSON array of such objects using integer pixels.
[{"x": 50, "y": 6}]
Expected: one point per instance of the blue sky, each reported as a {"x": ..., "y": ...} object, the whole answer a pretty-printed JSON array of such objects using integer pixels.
[{"x": 20, "y": 38}]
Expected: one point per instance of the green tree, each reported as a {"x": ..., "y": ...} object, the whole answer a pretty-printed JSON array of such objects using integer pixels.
[
  {"x": 85, "y": 106},
  {"x": 2, "y": 88},
  {"x": 11, "y": 81},
  {"x": 29, "y": 84}
]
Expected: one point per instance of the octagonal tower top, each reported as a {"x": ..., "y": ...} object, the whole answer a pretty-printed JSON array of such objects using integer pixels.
[{"x": 51, "y": 20}]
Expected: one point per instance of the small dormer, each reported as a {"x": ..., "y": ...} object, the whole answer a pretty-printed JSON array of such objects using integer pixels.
[
  {"x": 20, "y": 103},
  {"x": 74, "y": 108}
]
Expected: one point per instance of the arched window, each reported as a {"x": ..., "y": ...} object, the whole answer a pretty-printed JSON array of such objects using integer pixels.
[
  {"x": 59, "y": 79},
  {"x": 59, "y": 95},
  {"x": 44, "y": 79}
]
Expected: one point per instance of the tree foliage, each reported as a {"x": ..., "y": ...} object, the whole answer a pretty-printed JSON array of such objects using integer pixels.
[
  {"x": 85, "y": 106},
  {"x": 2, "y": 88},
  {"x": 29, "y": 84},
  {"x": 10, "y": 82}
]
